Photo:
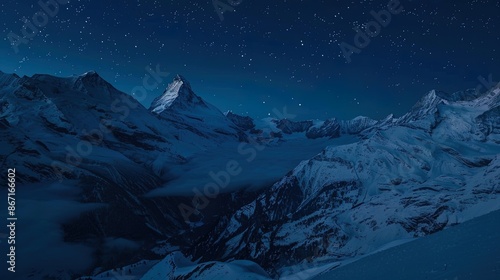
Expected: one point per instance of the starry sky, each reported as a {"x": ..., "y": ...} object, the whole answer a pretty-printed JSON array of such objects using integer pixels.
[{"x": 262, "y": 55}]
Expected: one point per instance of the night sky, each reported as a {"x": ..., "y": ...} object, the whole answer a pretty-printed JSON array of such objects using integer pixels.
[{"x": 265, "y": 54}]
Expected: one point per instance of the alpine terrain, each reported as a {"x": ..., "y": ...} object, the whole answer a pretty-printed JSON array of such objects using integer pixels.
[{"x": 109, "y": 189}]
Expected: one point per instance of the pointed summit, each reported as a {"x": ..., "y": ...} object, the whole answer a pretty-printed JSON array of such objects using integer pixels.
[
  {"x": 91, "y": 82},
  {"x": 90, "y": 73},
  {"x": 180, "y": 78},
  {"x": 178, "y": 95},
  {"x": 182, "y": 108},
  {"x": 90, "y": 78}
]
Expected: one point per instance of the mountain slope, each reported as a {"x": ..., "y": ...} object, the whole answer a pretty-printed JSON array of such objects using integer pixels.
[{"x": 465, "y": 251}]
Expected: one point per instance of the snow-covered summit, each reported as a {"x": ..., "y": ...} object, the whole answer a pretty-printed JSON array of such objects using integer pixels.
[
  {"x": 92, "y": 81},
  {"x": 179, "y": 95},
  {"x": 182, "y": 107},
  {"x": 90, "y": 73}
]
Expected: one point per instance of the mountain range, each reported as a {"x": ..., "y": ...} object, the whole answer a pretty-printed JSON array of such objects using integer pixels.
[{"x": 111, "y": 180}]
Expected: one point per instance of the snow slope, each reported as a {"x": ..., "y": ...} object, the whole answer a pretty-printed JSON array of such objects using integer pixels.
[{"x": 467, "y": 251}]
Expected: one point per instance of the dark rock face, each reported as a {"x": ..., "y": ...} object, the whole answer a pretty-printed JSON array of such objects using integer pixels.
[
  {"x": 357, "y": 125},
  {"x": 244, "y": 122},
  {"x": 289, "y": 127},
  {"x": 489, "y": 124}
]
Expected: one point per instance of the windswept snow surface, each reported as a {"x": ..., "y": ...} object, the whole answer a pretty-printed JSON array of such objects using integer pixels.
[{"x": 467, "y": 251}]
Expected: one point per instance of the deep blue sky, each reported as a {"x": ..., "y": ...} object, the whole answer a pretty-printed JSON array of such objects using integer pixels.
[{"x": 267, "y": 54}]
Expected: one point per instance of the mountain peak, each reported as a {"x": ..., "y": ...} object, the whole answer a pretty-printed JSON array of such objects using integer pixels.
[
  {"x": 90, "y": 73},
  {"x": 184, "y": 81},
  {"x": 91, "y": 77},
  {"x": 177, "y": 95}
]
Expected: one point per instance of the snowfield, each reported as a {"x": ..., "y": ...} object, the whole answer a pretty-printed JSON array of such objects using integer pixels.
[{"x": 467, "y": 251}]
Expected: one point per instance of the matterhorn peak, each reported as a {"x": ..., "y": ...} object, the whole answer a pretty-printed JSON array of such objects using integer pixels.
[
  {"x": 184, "y": 81},
  {"x": 177, "y": 95}
]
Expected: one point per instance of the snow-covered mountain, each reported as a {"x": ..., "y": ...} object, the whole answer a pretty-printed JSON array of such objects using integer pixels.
[
  {"x": 309, "y": 129},
  {"x": 87, "y": 149},
  {"x": 436, "y": 166},
  {"x": 181, "y": 107}
]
